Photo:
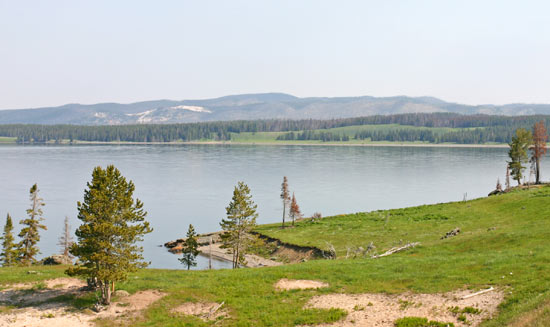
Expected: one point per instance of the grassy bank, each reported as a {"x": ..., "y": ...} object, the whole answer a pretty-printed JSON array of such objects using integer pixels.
[{"x": 503, "y": 243}]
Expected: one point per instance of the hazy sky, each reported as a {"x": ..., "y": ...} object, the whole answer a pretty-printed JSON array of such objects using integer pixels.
[{"x": 57, "y": 52}]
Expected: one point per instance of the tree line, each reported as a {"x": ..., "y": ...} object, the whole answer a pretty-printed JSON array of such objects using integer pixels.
[
  {"x": 526, "y": 147},
  {"x": 112, "y": 223},
  {"x": 477, "y": 129}
]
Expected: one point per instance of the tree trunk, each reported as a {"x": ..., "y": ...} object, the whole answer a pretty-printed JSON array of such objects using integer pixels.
[
  {"x": 284, "y": 209},
  {"x": 106, "y": 292},
  {"x": 537, "y": 170},
  {"x": 210, "y": 254}
]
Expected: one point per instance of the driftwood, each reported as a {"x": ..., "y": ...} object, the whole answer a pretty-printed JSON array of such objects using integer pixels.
[
  {"x": 214, "y": 309},
  {"x": 478, "y": 293},
  {"x": 396, "y": 249}
]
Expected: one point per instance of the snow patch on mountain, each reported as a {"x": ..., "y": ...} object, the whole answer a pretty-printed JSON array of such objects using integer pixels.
[
  {"x": 143, "y": 117},
  {"x": 192, "y": 108}
]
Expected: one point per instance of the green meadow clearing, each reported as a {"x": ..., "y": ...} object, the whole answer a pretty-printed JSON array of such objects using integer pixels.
[
  {"x": 504, "y": 242},
  {"x": 350, "y": 131}
]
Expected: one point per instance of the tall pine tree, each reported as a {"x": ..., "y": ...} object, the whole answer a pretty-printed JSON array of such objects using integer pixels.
[
  {"x": 9, "y": 250},
  {"x": 28, "y": 248},
  {"x": 112, "y": 222},
  {"x": 241, "y": 219},
  {"x": 190, "y": 249}
]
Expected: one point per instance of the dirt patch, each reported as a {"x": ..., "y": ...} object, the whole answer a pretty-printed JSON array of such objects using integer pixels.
[
  {"x": 382, "y": 310},
  {"x": 38, "y": 307},
  {"x": 25, "y": 295},
  {"x": 205, "y": 311},
  {"x": 252, "y": 260},
  {"x": 134, "y": 302},
  {"x": 65, "y": 283},
  {"x": 291, "y": 253},
  {"x": 278, "y": 251},
  {"x": 298, "y": 284}
]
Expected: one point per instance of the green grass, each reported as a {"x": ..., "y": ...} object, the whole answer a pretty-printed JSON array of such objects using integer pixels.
[
  {"x": 5, "y": 139},
  {"x": 271, "y": 137},
  {"x": 514, "y": 257},
  {"x": 420, "y": 322}
]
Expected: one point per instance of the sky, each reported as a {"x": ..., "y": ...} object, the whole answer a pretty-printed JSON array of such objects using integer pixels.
[{"x": 473, "y": 52}]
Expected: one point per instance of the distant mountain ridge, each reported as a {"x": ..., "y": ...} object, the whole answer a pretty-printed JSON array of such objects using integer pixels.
[{"x": 251, "y": 107}]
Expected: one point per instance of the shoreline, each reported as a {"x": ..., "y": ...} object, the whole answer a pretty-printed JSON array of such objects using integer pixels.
[{"x": 394, "y": 144}]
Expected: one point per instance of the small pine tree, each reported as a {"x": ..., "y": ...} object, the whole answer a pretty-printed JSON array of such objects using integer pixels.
[
  {"x": 285, "y": 197},
  {"x": 66, "y": 239},
  {"x": 190, "y": 249},
  {"x": 9, "y": 251},
  {"x": 28, "y": 248},
  {"x": 241, "y": 219},
  {"x": 295, "y": 212}
]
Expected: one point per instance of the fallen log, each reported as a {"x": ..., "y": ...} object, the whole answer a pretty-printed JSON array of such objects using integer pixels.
[
  {"x": 478, "y": 293},
  {"x": 396, "y": 249},
  {"x": 214, "y": 309}
]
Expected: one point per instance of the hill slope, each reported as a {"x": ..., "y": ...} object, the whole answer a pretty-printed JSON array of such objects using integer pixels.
[
  {"x": 250, "y": 107},
  {"x": 503, "y": 243}
]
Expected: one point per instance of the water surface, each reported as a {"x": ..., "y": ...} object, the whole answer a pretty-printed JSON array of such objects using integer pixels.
[{"x": 192, "y": 184}]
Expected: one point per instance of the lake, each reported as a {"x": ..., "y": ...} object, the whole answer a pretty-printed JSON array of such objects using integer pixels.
[{"x": 192, "y": 184}]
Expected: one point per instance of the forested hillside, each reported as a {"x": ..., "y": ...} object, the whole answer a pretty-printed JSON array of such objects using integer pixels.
[{"x": 432, "y": 128}]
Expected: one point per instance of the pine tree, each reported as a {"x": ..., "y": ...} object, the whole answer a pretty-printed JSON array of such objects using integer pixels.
[
  {"x": 66, "y": 239},
  {"x": 28, "y": 248},
  {"x": 294, "y": 210},
  {"x": 9, "y": 250},
  {"x": 241, "y": 219},
  {"x": 285, "y": 196},
  {"x": 112, "y": 223},
  {"x": 518, "y": 153},
  {"x": 190, "y": 249},
  {"x": 540, "y": 137}
]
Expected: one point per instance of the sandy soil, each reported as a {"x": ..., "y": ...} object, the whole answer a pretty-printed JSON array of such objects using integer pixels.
[
  {"x": 38, "y": 309},
  {"x": 252, "y": 260},
  {"x": 204, "y": 311},
  {"x": 298, "y": 284},
  {"x": 382, "y": 310}
]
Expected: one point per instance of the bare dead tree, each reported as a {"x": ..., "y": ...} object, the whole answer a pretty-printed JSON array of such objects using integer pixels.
[{"x": 66, "y": 239}]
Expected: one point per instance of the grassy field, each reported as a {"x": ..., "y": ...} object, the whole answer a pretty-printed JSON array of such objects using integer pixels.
[
  {"x": 504, "y": 242},
  {"x": 4, "y": 139},
  {"x": 271, "y": 137}
]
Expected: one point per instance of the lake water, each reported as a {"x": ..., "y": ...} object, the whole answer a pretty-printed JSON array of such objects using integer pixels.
[{"x": 192, "y": 184}]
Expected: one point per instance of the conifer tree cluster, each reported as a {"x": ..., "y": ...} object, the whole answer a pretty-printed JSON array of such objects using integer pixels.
[
  {"x": 524, "y": 143},
  {"x": 25, "y": 251}
]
